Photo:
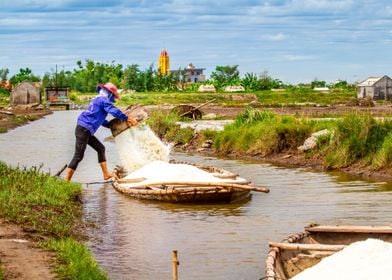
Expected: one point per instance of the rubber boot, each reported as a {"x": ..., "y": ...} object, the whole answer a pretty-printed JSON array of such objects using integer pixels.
[
  {"x": 69, "y": 174},
  {"x": 106, "y": 174}
]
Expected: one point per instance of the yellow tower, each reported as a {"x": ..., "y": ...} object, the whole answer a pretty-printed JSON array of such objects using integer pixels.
[{"x": 164, "y": 63}]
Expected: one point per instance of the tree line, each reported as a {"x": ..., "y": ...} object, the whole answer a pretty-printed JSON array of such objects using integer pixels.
[{"x": 86, "y": 75}]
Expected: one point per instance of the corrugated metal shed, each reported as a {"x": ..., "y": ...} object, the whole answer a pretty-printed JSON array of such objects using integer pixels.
[{"x": 375, "y": 88}]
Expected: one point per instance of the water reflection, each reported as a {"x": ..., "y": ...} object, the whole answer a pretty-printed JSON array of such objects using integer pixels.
[{"x": 134, "y": 239}]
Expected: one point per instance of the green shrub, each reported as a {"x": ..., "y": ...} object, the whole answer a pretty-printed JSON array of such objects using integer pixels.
[
  {"x": 251, "y": 115},
  {"x": 383, "y": 157},
  {"x": 162, "y": 121},
  {"x": 358, "y": 138},
  {"x": 179, "y": 135}
]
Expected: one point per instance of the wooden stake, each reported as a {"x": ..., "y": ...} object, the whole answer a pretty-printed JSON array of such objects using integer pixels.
[
  {"x": 176, "y": 263},
  {"x": 60, "y": 171}
]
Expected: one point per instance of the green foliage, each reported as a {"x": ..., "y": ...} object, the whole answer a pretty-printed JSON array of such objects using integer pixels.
[
  {"x": 261, "y": 132},
  {"x": 4, "y": 92},
  {"x": 317, "y": 83},
  {"x": 161, "y": 122},
  {"x": 251, "y": 115},
  {"x": 383, "y": 157},
  {"x": 179, "y": 135},
  {"x": 357, "y": 139},
  {"x": 73, "y": 96},
  {"x": 225, "y": 75},
  {"x": 3, "y": 74},
  {"x": 25, "y": 74},
  {"x": 3, "y": 130},
  {"x": 75, "y": 260}
]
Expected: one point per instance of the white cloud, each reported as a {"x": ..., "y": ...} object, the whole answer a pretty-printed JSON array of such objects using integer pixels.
[
  {"x": 274, "y": 37},
  {"x": 292, "y": 57}
]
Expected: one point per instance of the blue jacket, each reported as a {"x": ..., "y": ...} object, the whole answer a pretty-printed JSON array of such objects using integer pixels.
[{"x": 96, "y": 112}]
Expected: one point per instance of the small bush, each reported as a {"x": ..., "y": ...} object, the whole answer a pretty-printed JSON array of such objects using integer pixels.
[
  {"x": 161, "y": 122},
  {"x": 179, "y": 135},
  {"x": 383, "y": 157}
]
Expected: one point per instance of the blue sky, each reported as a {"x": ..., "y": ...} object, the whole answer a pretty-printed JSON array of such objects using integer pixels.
[{"x": 294, "y": 40}]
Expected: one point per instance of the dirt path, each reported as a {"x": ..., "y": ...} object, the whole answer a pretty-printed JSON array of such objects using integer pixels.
[{"x": 20, "y": 259}]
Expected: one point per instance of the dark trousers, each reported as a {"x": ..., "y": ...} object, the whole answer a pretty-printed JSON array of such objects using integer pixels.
[{"x": 84, "y": 137}]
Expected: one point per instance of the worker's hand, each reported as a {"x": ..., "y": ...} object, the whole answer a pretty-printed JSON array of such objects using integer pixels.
[{"x": 132, "y": 121}]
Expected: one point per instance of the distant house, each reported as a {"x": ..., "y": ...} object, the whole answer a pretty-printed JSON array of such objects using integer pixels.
[
  {"x": 192, "y": 74},
  {"x": 375, "y": 88},
  {"x": 26, "y": 93}
]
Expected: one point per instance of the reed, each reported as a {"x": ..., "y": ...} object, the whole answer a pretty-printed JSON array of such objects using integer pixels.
[{"x": 359, "y": 138}]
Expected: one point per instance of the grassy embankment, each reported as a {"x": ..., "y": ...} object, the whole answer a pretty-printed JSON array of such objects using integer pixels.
[
  {"x": 52, "y": 209},
  {"x": 289, "y": 97},
  {"x": 355, "y": 138}
]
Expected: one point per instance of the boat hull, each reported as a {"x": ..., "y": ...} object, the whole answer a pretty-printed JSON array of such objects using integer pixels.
[
  {"x": 186, "y": 194},
  {"x": 305, "y": 249}
]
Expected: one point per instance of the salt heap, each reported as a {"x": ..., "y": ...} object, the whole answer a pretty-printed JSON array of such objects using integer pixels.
[
  {"x": 158, "y": 171},
  {"x": 138, "y": 146},
  {"x": 370, "y": 259}
]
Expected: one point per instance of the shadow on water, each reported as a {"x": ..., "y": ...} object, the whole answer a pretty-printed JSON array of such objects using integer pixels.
[{"x": 217, "y": 209}]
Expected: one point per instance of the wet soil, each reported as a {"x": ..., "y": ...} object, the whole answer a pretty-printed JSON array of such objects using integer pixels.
[
  {"x": 20, "y": 258},
  {"x": 11, "y": 117}
]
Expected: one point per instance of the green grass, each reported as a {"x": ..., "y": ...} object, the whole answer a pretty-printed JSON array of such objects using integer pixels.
[
  {"x": 52, "y": 208},
  {"x": 296, "y": 97},
  {"x": 289, "y": 97},
  {"x": 75, "y": 260},
  {"x": 262, "y": 133},
  {"x": 3, "y": 129},
  {"x": 353, "y": 139}
]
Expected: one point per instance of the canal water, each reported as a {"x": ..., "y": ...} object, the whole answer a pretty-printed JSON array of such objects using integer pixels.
[{"x": 133, "y": 239}]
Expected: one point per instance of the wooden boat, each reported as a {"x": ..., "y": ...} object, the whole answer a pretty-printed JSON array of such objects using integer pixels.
[
  {"x": 305, "y": 249},
  {"x": 234, "y": 190}
]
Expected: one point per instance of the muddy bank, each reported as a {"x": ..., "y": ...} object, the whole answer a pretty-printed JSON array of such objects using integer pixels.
[
  {"x": 20, "y": 258},
  {"x": 11, "y": 117}
]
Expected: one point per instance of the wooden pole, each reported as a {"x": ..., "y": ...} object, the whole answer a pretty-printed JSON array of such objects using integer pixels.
[
  {"x": 215, "y": 184},
  {"x": 311, "y": 247},
  {"x": 60, "y": 171},
  {"x": 176, "y": 263}
]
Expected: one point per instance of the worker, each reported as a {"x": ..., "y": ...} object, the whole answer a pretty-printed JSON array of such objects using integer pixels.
[{"x": 88, "y": 123}]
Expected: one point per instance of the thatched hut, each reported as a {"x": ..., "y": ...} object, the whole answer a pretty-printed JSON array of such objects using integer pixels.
[{"x": 25, "y": 93}]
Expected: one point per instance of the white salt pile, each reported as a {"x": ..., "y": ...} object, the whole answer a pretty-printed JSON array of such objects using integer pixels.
[
  {"x": 158, "y": 171},
  {"x": 138, "y": 146},
  {"x": 370, "y": 259}
]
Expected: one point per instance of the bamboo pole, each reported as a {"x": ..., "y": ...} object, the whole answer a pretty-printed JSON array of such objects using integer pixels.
[
  {"x": 176, "y": 263},
  {"x": 350, "y": 229},
  {"x": 215, "y": 184},
  {"x": 299, "y": 246},
  {"x": 60, "y": 171}
]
